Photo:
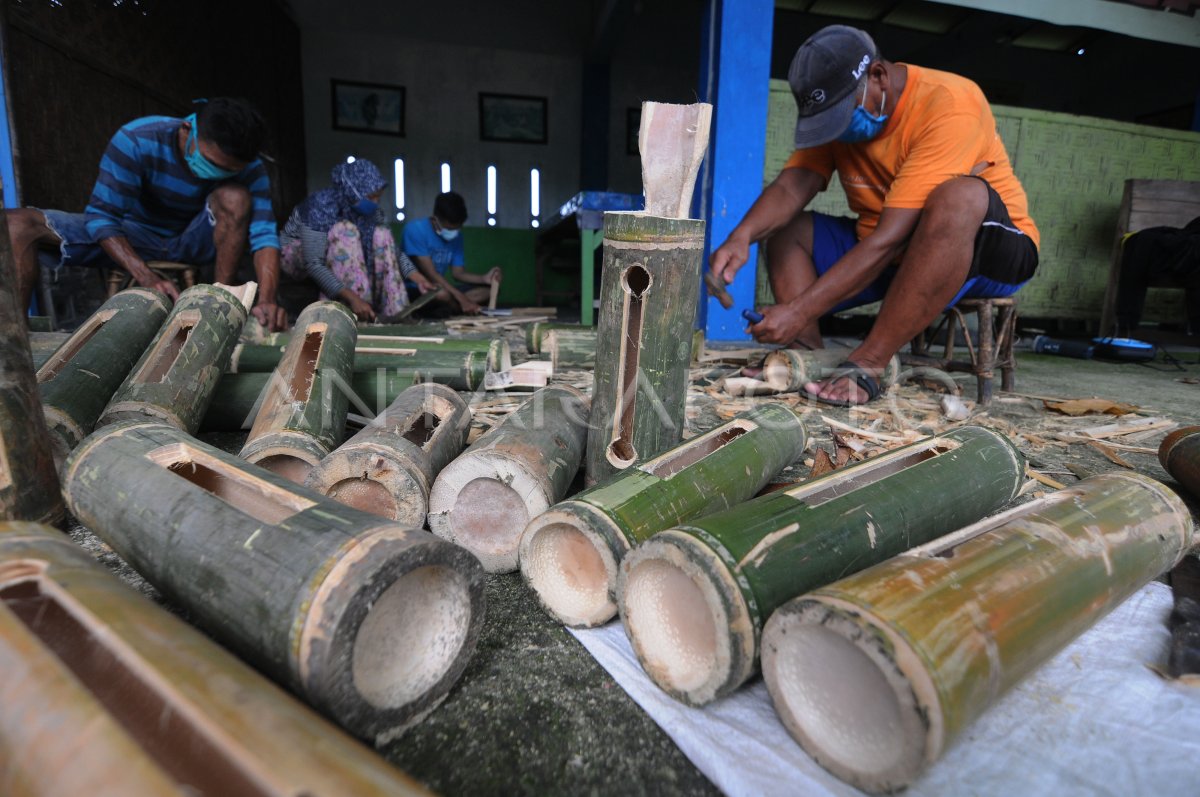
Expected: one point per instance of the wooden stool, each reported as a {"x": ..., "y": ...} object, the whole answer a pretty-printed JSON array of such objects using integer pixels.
[
  {"x": 992, "y": 347},
  {"x": 119, "y": 279}
]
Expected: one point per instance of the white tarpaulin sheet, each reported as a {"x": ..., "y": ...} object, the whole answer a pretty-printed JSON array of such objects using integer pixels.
[{"x": 1094, "y": 720}]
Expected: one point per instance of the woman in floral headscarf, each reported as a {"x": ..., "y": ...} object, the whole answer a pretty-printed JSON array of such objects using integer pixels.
[{"x": 339, "y": 237}]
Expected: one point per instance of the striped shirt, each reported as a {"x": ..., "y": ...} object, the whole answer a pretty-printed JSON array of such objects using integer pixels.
[
  {"x": 313, "y": 247},
  {"x": 143, "y": 180}
]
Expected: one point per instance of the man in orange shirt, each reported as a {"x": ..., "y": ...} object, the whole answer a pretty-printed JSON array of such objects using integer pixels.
[{"x": 940, "y": 214}]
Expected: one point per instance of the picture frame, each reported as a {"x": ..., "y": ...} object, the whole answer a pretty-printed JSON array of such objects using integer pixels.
[
  {"x": 633, "y": 125},
  {"x": 512, "y": 118},
  {"x": 376, "y": 108}
]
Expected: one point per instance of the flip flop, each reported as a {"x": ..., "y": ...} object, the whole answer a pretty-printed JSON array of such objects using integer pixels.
[{"x": 850, "y": 370}]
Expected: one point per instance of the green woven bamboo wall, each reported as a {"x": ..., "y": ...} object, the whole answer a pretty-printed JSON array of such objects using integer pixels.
[{"x": 1074, "y": 170}]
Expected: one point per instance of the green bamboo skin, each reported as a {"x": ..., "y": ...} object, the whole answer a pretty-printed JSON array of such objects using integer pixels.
[
  {"x": 303, "y": 416},
  {"x": 106, "y": 693},
  {"x": 388, "y": 468},
  {"x": 388, "y": 352},
  {"x": 536, "y": 333},
  {"x": 788, "y": 370},
  {"x": 570, "y": 555},
  {"x": 648, "y": 297},
  {"x": 571, "y": 348},
  {"x": 694, "y": 598},
  {"x": 370, "y": 622},
  {"x": 1179, "y": 454},
  {"x": 174, "y": 380},
  {"x": 931, "y": 638},
  {"x": 485, "y": 498}
]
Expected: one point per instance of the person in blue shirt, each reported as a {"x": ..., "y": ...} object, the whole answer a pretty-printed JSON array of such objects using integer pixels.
[
  {"x": 435, "y": 245},
  {"x": 190, "y": 190}
]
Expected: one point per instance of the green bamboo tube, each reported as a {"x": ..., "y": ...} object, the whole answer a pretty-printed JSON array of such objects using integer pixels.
[
  {"x": 788, "y": 370},
  {"x": 303, "y": 415},
  {"x": 1179, "y": 454},
  {"x": 387, "y": 352},
  {"x": 174, "y": 380},
  {"x": 877, "y": 674},
  {"x": 571, "y": 348},
  {"x": 388, "y": 468},
  {"x": 536, "y": 332},
  {"x": 648, "y": 297},
  {"x": 78, "y": 380},
  {"x": 570, "y": 554},
  {"x": 106, "y": 693},
  {"x": 694, "y": 598},
  {"x": 484, "y": 499},
  {"x": 411, "y": 330},
  {"x": 462, "y": 370},
  {"x": 370, "y": 622}
]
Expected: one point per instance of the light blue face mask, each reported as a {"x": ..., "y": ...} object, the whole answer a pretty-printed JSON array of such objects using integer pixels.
[
  {"x": 201, "y": 166},
  {"x": 365, "y": 206},
  {"x": 448, "y": 235},
  {"x": 863, "y": 126}
]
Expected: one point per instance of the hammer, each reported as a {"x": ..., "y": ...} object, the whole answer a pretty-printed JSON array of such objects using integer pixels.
[{"x": 717, "y": 289}]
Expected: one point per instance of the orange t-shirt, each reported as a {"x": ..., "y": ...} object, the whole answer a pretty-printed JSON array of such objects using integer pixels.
[{"x": 941, "y": 128}]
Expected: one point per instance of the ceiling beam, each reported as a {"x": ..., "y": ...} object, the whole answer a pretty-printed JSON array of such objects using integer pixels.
[{"x": 1124, "y": 18}]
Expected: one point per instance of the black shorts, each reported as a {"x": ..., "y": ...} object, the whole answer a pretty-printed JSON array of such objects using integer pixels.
[{"x": 1002, "y": 252}]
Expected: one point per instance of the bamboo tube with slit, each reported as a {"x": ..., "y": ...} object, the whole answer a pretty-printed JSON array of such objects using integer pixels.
[
  {"x": 788, "y": 370},
  {"x": 106, "y": 693},
  {"x": 570, "y": 555},
  {"x": 371, "y": 352},
  {"x": 694, "y": 598},
  {"x": 484, "y": 499},
  {"x": 1179, "y": 454},
  {"x": 303, "y": 416},
  {"x": 877, "y": 674},
  {"x": 78, "y": 380},
  {"x": 389, "y": 467},
  {"x": 370, "y": 622}
]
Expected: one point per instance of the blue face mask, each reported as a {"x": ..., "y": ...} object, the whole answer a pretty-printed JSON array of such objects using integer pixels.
[
  {"x": 448, "y": 235},
  {"x": 863, "y": 126},
  {"x": 201, "y": 166},
  {"x": 365, "y": 206}
]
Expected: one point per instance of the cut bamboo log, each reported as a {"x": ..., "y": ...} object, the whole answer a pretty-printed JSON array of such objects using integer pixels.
[
  {"x": 28, "y": 478},
  {"x": 303, "y": 416},
  {"x": 570, "y": 554},
  {"x": 106, "y": 693},
  {"x": 484, "y": 499},
  {"x": 174, "y": 380},
  {"x": 536, "y": 332},
  {"x": 877, "y": 674},
  {"x": 388, "y": 468},
  {"x": 672, "y": 140},
  {"x": 648, "y": 300},
  {"x": 417, "y": 330},
  {"x": 408, "y": 354},
  {"x": 571, "y": 348},
  {"x": 79, "y": 379},
  {"x": 694, "y": 598},
  {"x": 1179, "y": 454},
  {"x": 370, "y": 622},
  {"x": 788, "y": 370}
]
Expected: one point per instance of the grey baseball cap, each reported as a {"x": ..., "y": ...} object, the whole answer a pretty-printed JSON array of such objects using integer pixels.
[{"x": 825, "y": 75}]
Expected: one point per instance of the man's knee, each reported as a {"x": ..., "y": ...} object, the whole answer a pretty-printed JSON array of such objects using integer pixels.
[
  {"x": 230, "y": 201},
  {"x": 959, "y": 198},
  {"x": 27, "y": 226},
  {"x": 796, "y": 235}
]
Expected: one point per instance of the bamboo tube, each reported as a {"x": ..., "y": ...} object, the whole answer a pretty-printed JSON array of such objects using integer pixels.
[
  {"x": 388, "y": 468},
  {"x": 570, "y": 554},
  {"x": 378, "y": 351},
  {"x": 303, "y": 416},
  {"x": 43, "y": 344},
  {"x": 410, "y": 330},
  {"x": 174, "y": 380},
  {"x": 484, "y": 499},
  {"x": 78, "y": 380},
  {"x": 536, "y": 332},
  {"x": 370, "y": 622},
  {"x": 788, "y": 370},
  {"x": 28, "y": 478},
  {"x": 905, "y": 655},
  {"x": 1179, "y": 454},
  {"x": 106, "y": 693},
  {"x": 571, "y": 348},
  {"x": 694, "y": 598},
  {"x": 649, "y": 294}
]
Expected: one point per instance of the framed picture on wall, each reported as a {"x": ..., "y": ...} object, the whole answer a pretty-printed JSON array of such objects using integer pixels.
[
  {"x": 368, "y": 107},
  {"x": 633, "y": 123},
  {"x": 512, "y": 117}
]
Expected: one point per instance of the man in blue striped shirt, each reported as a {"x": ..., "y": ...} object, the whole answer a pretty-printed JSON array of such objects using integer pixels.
[{"x": 187, "y": 190}]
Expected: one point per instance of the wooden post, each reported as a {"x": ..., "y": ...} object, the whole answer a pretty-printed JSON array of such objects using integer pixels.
[
  {"x": 484, "y": 499},
  {"x": 28, "y": 480},
  {"x": 370, "y": 622},
  {"x": 1179, "y": 454},
  {"x": 388, "y": 468},
  {"x": 571, "y": 348},
  {"x": 907, "y": 654},
  {"x": 694, "y": 598},
  {"x": 176, "y": 376},
  {"x": 570, "y": 554},
  {"x": 788, "y": 370},
  {"x": 78, "y": 380},
  {"x": 106, "y": 693},
  {"x": 303, "y": 416}
]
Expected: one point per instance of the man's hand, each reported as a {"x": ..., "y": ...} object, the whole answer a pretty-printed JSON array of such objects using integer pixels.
[
  {"x": 271, "y": 316},
  {"x": 422, "y": 282},
  {"x": 495, "y": 275},
  {"x": 469, "y": 307},
  {"x": 781, "y": 323},
  {"x": 361, "y": 309},
  {"x": 162, "y": 286},
  {"x": 727, "y": 258}
]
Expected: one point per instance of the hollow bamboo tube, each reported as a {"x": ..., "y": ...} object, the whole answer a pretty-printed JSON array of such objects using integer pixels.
[
  {"x": 303, "y": 416},
  {"x": 174, "y": 380},
  {"x": 370, "y": 622},
  {"x": 571, "y": 348},
  {"x": 388, "y": 468},
  {"x": 1179, "y": 454},
  {"x": 694, "y": 598},
  {"x": 536, "y": 332},
  {"x": 106, "y": 693},
  {"x": 905, "y": 655},
  {"x": 570, "y": 554},
  {"x": 648, "y": 298},
  {"x": 788, "y": 370},
  {"x": 389, "y": 352},
  {"x": 484, "y": 499}
]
